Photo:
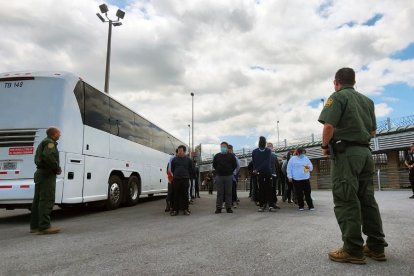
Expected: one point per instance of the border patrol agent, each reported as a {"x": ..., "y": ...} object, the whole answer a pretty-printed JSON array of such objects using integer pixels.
[
  {"x": 47, "y": 163},
  {"x": 349, "y": 123}
]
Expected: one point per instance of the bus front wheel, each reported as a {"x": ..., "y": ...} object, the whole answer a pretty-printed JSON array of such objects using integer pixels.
[
  {"x": 114, "y": 193},
  {"x": 133, "y": 191}
]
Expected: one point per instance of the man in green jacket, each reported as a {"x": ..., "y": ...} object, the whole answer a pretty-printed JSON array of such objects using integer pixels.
[
  {"x": 47, "y": 163},
  {"x": 349, "y": 123}
]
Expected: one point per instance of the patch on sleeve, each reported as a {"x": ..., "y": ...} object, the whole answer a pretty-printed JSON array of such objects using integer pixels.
[
  {"x": 329, "y": 102},
  {"x": 50, "y": 146}
]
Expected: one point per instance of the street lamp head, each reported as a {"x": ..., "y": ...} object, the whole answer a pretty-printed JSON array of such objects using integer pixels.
[
  {"x": 120, "y": 14},
  {"x": 100, "y": 17},
  {"x": 116, "y": 24},
  {"x": 103, "y": 8},
  {"x": 192, "y": 94}
]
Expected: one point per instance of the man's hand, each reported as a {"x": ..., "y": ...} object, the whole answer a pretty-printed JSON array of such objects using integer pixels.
[{"x": 325, "y": 152}]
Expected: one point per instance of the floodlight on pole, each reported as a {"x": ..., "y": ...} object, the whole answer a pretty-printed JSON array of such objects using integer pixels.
[
  {"x": 120, "y": 14},
  {"x": 103, "y": 8}
]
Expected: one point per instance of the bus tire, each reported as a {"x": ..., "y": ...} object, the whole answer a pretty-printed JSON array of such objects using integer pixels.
[
  {"x": 114, "y": 193},
  {"x": 133, "y": 192}
]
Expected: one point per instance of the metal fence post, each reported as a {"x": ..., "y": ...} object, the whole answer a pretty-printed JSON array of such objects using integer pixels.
[{"x": 379, "y": 179}]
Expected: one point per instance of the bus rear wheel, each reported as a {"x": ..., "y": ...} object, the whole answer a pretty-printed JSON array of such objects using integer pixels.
[
  {"x": 114, "y": 193},
  {"x": 133, "y": 192}
]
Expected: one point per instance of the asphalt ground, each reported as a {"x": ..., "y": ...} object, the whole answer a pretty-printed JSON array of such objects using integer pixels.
[{"x": 143, "y": 240}]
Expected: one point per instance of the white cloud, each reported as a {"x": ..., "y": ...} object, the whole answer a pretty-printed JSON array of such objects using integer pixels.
[
  {"x": 382, "y": 110},
  {"x": 249, "y": 64}
]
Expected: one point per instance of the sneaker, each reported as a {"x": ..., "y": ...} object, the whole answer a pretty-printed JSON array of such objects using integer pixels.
[
  {"x": 34, "y": 230},
  {"x": 301, "y": 209},
  {"x": 311, "y": 209},
  {"x": 271, "y": 209},
  {"x": 187, "y": 212},
  {"x": 411, "y": 196},
  {"x": 235, "y": 206},
  {"x": 229, "y": 210},
  {"x": 260, "y": 209},
  {"x": 218, "y": 211},
  {"x": 173, "y": 213},
  {"x": 378, "y": 256},
  {"x": 49, "y": 231},
  {"x": 342, "y": 256}
]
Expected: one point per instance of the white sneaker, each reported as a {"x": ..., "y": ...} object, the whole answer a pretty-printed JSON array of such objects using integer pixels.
[
  {"x": 312, "y": 209},
  {"x": 271, "y": 209},
  {"x": 301, "y": 209}
]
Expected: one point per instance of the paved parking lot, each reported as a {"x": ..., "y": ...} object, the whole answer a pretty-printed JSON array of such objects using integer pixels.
[{"x": 143, "y": 240}]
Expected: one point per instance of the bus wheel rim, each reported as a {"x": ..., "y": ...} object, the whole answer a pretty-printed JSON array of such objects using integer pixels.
[{"x": 114, "y": 192}]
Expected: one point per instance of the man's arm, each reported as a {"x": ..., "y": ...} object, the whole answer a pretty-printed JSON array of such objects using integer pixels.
[
  {"x": 215, "y": 161},
  {"x": 327, "y": 135}
]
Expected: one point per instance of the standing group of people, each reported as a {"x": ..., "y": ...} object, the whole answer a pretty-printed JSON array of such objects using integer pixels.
[{"x": 270, "y": 179}]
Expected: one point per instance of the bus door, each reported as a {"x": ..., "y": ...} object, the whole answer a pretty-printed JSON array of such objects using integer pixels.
[{"x": 73, "y": 178}]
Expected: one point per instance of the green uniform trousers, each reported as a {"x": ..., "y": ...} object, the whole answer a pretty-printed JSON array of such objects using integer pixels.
[
  {"x": 355, "y": 204},
  {"x": 44, "y": 199}
]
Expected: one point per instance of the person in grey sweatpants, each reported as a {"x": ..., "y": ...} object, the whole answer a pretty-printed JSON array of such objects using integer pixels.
[{"x": 224, "y": 163}]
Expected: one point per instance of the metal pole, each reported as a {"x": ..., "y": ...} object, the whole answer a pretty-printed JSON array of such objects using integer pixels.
[
  {"x": 278, "y": 144},
  {"x": 108, "y": 58},
  {"x": 189, "y": 137},
  {"x": 192, "y": 121}
]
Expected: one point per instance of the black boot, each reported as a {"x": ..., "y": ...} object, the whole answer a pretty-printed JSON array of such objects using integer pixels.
[{"x": 168, "y": 207}]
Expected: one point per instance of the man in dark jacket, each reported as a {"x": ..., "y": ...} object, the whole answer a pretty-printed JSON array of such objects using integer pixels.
[
  {"x": 262, "y": 166},
  {"x": 224, "y": 163},
  {"x": 182, "y": 169}
]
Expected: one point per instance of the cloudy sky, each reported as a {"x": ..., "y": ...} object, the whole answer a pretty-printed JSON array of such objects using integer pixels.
[{"x": 250, "y": 63}]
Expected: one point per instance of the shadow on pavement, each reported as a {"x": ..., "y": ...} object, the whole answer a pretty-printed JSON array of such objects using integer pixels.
[{"x": 69, "y": 212}]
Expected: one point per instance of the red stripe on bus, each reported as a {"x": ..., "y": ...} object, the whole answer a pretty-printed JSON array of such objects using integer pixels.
[
  {"x": 3, "y": 172},
  {"x": 6, "y": 187},
  {"x": 24, "y": 186}
]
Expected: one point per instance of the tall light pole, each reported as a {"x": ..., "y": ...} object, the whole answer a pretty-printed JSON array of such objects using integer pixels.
[
  {"x": 120, "y": 14},
  {"x": 189, "y": 137},
  {"x": 192, "y": 120},
  {"x": 278, "y": 144}
]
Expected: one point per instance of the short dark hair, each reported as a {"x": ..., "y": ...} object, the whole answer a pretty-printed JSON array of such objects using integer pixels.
[
  {"x": 230, "y": 147},
  {"x": 345, "y": 75},
  {"x": 299, "y": 151},
  {"x": 225, "y": 143},
  {"x": 182, "y": 147},
  {"x": 51, "y": 130},
  {"x": 262, "y": 142}
]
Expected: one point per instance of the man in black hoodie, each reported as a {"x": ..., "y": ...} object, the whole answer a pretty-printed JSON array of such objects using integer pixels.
[{"x": 224, "y": 163}]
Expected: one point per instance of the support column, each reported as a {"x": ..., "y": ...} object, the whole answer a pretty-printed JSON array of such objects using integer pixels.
[
  {"x": 393, "y": 164},
  {"x": 315, "y": 174}
]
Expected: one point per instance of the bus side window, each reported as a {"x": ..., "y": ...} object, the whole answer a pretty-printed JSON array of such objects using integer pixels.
[
  {"x": 122, "y": 120},
  {"x": 96, "y": 109}
]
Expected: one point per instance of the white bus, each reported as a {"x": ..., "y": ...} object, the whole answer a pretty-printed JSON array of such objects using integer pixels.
[{"x": 108, "y": 153}]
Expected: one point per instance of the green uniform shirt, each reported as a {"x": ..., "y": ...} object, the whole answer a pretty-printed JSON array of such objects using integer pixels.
[
  {"x": 351, "y": 114},
  {"x": 47, "y": 155}
]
